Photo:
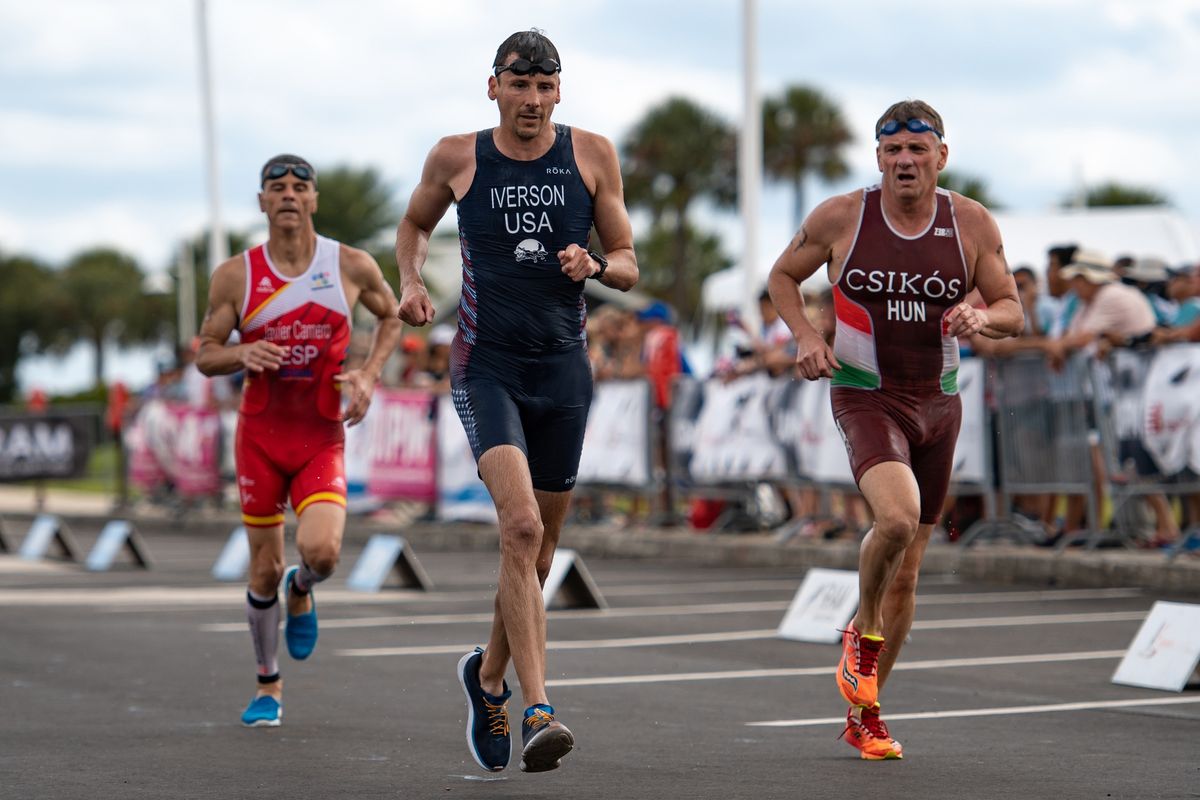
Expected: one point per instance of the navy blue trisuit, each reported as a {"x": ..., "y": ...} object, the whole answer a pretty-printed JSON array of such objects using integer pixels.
[{"x": 519, "y": 371}]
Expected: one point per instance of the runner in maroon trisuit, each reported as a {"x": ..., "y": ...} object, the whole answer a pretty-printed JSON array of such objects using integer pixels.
[{"x": 902, "y": 257}]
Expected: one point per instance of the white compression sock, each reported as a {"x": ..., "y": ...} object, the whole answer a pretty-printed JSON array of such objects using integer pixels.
[{"x": 263, "y": 616}]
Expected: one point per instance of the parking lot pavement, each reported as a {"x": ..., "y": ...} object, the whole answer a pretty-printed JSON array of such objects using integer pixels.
[{"x": 129, "y": 683}]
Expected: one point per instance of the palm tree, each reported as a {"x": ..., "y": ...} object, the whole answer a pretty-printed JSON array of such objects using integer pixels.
[
  {"x": 677, "y": 154},
  {"x": 1118, "y": 194},
  {"x": 803, "y": 132},
  {"x": 103, "y": 300},
  {"x": 704, "y": 256},
  {"x": 354, "y": 205},
  {"x": 28, "y": 315}
]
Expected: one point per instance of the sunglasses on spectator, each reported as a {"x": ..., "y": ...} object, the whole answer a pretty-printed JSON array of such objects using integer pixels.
[
  {"x": 523, "y": 66},
  {"x": 277, "y": 171},
  {"x": 893, "y": 126}
]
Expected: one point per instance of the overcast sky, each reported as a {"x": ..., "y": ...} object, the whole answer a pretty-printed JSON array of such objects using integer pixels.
[{"x": 100, "y": 114}]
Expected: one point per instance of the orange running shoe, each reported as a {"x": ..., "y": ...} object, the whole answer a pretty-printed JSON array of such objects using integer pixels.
[
  {"x": 869, "y": 736},
  {"x": 856, "y": 674}
]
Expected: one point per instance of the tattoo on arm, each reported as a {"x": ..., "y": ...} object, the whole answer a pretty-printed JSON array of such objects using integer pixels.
[{"x": 801, "y": 238}]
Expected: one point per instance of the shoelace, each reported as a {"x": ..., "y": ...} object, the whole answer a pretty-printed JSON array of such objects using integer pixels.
[
  {"x": 870, "y": 725},
  {"x": 868, "y": 656},
  {"x": 852, "y": 723},
  {"x": 497, "y": 718},
  {"x": 538, "y": 719},
  {"x": 866, "y": 653},
  {"x": 876, "y": 726}
]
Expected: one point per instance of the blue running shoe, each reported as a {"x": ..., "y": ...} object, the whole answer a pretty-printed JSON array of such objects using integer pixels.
[
  {"x": 264, "y": 711},
  {"x": 545, "y": 740},
  {"x": 300, "y": 631},
  {"x": 488, "y": 738}
]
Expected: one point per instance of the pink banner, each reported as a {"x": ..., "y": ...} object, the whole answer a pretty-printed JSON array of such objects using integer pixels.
[
  {"x": 197, "y": 451},
  {"x": 145, "y": 472},
  {"x": 171, "y": 441},
  {"x": 401, "y": 432}
]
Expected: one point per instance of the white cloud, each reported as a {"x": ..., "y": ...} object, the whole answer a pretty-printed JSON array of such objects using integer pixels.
[{"x": 99, "y": 145}]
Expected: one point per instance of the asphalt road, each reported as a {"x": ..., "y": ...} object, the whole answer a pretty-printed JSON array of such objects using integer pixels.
[{"x": 129, "y": 684}]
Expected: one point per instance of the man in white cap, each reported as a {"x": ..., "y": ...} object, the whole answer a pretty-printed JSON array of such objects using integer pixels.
[
  {"x": 1111, "y": 310},
  {"x": 1149, "y": 275}
]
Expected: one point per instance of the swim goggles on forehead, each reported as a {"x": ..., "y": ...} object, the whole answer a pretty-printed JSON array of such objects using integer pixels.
[
  {"x": 276, "y": 171},
  {"x": 893, "y": 126},
  {"x": 523, "y": 66}
]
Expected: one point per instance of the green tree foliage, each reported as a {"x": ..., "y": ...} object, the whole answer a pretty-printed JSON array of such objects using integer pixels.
[
  {"x": 676, "y": 155},
  {"x": 702, "y": 252},
  {"x": 803, "y": 133},
  {"x": 354, "y": 206},
  {"x": 101, "y": 290},
  {"x": 1117, "y": 194},
  {"x": 29, "y": 315},
  {"x": 197, "y": 249},
  {"x": 971, "y": 186}
]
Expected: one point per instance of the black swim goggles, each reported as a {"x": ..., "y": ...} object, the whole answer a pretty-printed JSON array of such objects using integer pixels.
[
  {"x": 914, "y": 125},
  {"x": 523, "y": 66},
  {"x": 274, "y": 172}
]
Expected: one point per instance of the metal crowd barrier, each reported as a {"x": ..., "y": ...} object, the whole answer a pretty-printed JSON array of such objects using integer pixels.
[
  {"x": 1040, "y": 420},
  {"x": 1027, "y": 429},
  {"x": 732, "y": 439},
  {"x": 1144, "y": 441},
  {"x": 1137, "y": 411}
]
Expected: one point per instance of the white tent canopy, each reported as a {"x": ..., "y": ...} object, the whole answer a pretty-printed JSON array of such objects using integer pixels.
[{"x": 1135, "y": 230}]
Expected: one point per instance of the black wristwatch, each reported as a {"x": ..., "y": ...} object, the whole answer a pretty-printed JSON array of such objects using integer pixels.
[{"x": 599, "y": 259}]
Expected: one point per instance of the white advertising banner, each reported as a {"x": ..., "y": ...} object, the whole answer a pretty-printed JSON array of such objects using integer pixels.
[
  {"x": 616, "y": 446},
  {"x": 971, "y": 452},
  {"x": 1170, "y": 422},
  {"x": 461, "y": 495},
  {"x": 733, "y": 436},
  {"x": 826, "y": 460}
]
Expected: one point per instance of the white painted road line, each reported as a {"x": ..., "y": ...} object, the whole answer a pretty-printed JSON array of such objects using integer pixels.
[
  {"x": 802, "y": 672},
  {"x": 742, "y": 636},
  {"x": 1032, "y": 619},
  {"x": 681, "y": 611},
  {"x": 169, "y": 598},
  {"x": 581, "y": 613},
  {"x": 153, "y": 598},
  {"x": 586, "y": 644},
  {"x": 1097, "y": 705},
  {"x": 1048, "y": 595}
]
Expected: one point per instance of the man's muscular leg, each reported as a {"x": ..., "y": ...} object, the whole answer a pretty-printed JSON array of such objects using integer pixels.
[
  {"x": 505, "y": 472},
  {"x": 892, "y": 493},
  {"x": 319, "y": 540},
  {"x": 553, "y": 507},
  {"x": 900, "y": 601},
  {"x": 266, "y": 570}
]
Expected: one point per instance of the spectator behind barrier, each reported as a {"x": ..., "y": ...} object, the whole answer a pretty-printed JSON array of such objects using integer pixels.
[
  {"x": 436, "y": 375},
  {"x": 1183, "y": 287},
  {"x": 1112, "y": 314},
  {"x": 773, "y": 350},
  {"x": 1149, "y": 275},
  {"x": 415, "y": 355},
  {"x": 1110, "y": 311},
  {"x": 1065, "y": 303},
  {"x": 614, "y": 344},
  {"x": 661, "y": 356}
]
